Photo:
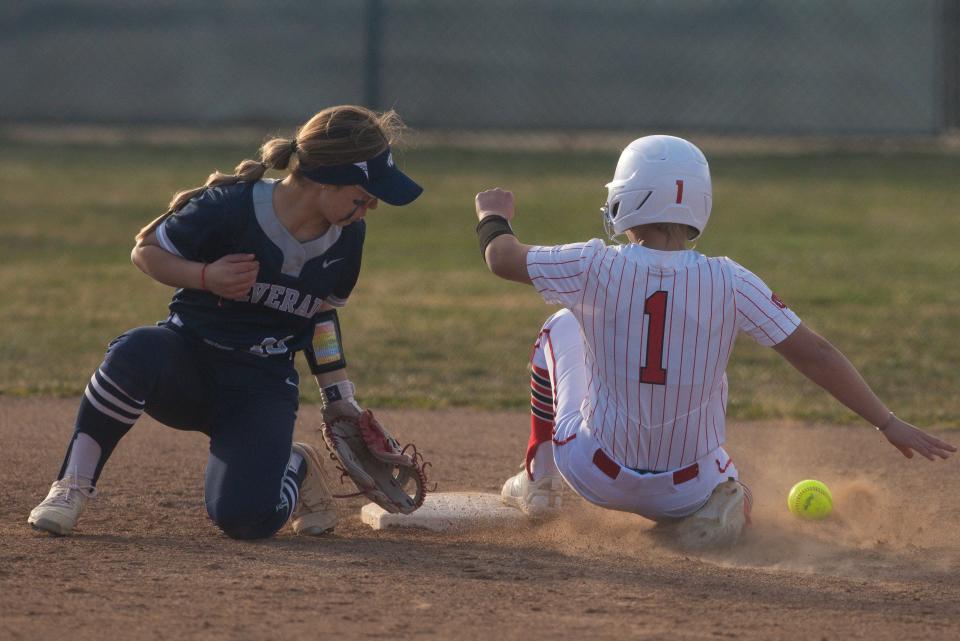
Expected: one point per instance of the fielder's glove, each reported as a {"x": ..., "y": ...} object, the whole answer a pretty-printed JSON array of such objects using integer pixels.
[{"x": 392, "y": 477}]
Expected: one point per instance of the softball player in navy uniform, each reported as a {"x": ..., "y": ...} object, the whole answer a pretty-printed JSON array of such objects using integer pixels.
[
  {"x": 260, "y": 266},
  {"x": 628, "y": 389}
]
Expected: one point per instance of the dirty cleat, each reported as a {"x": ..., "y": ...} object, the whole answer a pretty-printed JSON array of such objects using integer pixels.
[
  {"x": 537, "y": 499},
  {"x": 719, "y": 522},
  {"x": 58, "y": 513},
  {"x": 315, "y": 512}
]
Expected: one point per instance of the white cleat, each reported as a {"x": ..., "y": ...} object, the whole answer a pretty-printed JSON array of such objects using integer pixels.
[
  {"x": 537, "y": 499},
  {"x": 59, "y": 512},
  {"x": 315, "y": 513},
  {"x": 719, "y": 522}
]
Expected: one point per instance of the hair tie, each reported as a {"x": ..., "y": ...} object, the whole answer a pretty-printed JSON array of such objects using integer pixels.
[{"x": 293, "y": 146}]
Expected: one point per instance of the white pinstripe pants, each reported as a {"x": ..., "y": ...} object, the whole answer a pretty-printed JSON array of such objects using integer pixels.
[{"x": 590, "y": 471}]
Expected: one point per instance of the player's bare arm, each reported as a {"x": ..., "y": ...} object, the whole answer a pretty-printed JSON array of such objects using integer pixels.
[
  {"x": 505, "y": 255},
  {"x": 821, "y": 362},
  {"x": 229, "y": 277}
]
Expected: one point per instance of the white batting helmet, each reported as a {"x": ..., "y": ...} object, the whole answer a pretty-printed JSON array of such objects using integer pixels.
[{"x": 659, "y": 179}]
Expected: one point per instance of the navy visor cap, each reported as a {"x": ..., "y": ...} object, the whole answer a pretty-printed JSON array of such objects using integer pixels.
[{"x": 378, "y": 175}]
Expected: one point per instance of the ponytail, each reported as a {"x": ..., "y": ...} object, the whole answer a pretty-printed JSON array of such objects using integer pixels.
[
  {"x": 336, "y": 135},
  {"x": 274, "y": 154}
]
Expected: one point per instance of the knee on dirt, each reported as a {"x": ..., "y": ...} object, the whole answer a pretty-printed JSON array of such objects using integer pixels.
[{"x": 246, "y": 521}]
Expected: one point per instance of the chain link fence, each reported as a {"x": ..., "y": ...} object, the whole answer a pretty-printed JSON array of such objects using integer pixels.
[{"x": 856, "y": 67}]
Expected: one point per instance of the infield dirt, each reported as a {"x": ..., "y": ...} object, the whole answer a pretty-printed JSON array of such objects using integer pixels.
[{"x": 146, "y": 562}]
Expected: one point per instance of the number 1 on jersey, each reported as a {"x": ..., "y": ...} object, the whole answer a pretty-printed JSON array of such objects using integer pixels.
[{"x": 652, "y": 371}]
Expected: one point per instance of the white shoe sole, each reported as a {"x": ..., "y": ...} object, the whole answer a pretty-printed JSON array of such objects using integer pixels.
[
  {"x": 319, "y": 523},
  {"x": 513, "y": 501},
  {"x": 533, "y": 511},
  {"x": 47, "y": 525}
]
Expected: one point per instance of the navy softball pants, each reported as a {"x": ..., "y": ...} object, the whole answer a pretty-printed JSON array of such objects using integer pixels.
[{"x": 246, "y": 404}]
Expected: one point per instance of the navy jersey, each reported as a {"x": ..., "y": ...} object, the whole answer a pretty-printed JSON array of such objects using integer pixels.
[{"x": 295, "y": 279}]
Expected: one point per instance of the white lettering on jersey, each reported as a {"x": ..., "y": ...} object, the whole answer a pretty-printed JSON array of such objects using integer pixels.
[
  {"x": 658, "y": 330},
  {"x": 271, "y": 346},
  {"x": 292, "y": 302},
  {"x": 257, "y": 292},
  {"x": 273, "y": 299},
  {"x": 317, "y": 304},
  {"x": 304, "y": 306},
  {"x": 289, "y": 300}
]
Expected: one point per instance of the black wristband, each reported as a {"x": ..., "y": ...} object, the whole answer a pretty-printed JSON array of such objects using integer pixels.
[{"x": 489, "y": 228}]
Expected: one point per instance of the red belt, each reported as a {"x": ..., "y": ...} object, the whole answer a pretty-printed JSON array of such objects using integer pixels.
[{"x": 612, "y": 469}]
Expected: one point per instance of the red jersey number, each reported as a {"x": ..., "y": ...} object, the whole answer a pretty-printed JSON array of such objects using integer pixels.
[{"x": 652, "y": 371}]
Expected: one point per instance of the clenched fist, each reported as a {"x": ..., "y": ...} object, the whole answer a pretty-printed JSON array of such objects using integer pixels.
[
  {"x": 231, "y": 276},
  {"x": 495, "y": 201}
]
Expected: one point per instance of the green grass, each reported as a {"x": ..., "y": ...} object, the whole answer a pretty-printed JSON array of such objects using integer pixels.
[{"x": 860, "y": 246}]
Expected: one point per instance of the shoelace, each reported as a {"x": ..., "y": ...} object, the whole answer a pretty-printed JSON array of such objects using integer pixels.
[{"x": 62, "y": 494}]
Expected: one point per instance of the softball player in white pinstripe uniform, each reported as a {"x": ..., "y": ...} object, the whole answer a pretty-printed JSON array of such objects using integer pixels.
[{"x": 628, "y": 390}]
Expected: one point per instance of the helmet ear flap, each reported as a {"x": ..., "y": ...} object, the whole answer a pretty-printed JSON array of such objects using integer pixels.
[{"x": 627, "y": 204}]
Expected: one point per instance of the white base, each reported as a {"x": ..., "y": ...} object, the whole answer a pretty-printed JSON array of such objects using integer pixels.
[{"x": 446, "y": 511}]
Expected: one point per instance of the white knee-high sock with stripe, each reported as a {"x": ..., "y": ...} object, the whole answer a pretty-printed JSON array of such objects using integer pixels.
[
  {"x": 111, "y": 400},
  {"x": 290, "y": 486},
  {"x": 83, "y": 459},
  {"x": 106, "y": 413}
]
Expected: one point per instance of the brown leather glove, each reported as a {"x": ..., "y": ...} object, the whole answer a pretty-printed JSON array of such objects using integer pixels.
[{"x": 392, "y": 477}]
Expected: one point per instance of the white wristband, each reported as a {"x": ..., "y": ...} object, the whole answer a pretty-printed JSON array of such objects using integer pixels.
[{"x": 339, "y": 391}]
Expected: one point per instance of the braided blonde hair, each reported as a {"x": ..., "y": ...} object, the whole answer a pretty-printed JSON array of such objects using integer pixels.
[{"x": 334, "y": 136}]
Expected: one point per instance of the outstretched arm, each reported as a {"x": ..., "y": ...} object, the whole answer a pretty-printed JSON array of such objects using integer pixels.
[
  {"x": 814, "y": 357},
  {"x": 505, "y": 255}
]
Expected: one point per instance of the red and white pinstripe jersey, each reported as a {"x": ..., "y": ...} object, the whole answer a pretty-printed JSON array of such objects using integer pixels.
[{"x": 658, "y": 329}]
